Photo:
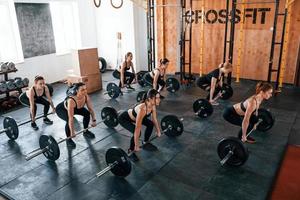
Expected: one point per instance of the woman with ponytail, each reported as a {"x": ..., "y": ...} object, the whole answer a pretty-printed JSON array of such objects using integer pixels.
[
  {"x": 213, "y": 81},
  {"x": 133, "y": 119},
  {"x": 244, "y": 114},
  {"x": 157, "y": 77},
  {"x": 122, "y": 73}
]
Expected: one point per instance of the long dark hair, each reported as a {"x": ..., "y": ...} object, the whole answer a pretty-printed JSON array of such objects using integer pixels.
[
  {"x": 149, "y": 95},
  {"x": 262, "y": 86},
  {"x": 164, "y": 61}
]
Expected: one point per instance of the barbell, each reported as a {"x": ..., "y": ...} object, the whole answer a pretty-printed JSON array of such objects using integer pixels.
[
  {"x": 117, "y": 159},
  {"x": 232, "y": 150},
  {"x": 49, "y": 146},
  {"x": 11, "y": 127}
]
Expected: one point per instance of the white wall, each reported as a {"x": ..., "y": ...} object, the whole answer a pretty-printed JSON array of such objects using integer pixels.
[
  {"x": 130, "y": 20},
  {"x": 56, "y": 67},
  {"x": 98, "y": 28}
]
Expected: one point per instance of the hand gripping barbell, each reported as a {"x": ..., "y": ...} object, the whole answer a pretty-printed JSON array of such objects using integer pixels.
[
  {"x": 11, "y": 127},
  {"x": 117, "y": 159},
  {"x": 232, "y": 150},
  {"x": 49, "y": 146}
]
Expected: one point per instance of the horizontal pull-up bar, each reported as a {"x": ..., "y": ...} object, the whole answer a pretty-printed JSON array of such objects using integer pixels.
[{"x": 263, "y": 2}]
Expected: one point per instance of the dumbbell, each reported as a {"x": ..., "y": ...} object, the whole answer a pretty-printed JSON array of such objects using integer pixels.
[
  {"x": 10, "y": 66},
  {"x": 3, "y": 67},
  {"x": 10, "y": 84},
  {"x": 117, "y": 159},
  {"x": 25, "y": 82},
  {"x": 232, "y": 151},
  {"x": 3, "y": 87},
  {"x": 49, "y": 146},
  {"x": 18, "y": 82}
]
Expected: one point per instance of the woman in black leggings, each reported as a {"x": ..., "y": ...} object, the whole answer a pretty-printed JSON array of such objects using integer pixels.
[
  {"x": 38, "y": 93},
  {"x": 74, "y": 105},
  {"x": 213, "y": 81},
  {"x": 157, "y": 77},
  {"x": 244, "y": 114},
  {"x": 122, "y": 73},
  {"x": 135, "y": 117}
]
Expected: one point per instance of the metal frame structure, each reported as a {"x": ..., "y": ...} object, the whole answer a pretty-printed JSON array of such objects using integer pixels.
[{"x": 151, "y": 34}]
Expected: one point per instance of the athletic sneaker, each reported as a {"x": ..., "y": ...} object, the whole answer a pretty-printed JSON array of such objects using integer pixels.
[
  {"x": 129, "y": 87},
  {"x": 132, "y": 156},
  {"x": 149, "y": 146},
  {"x": 47, "y": 121},
  {"x": 70, "y": 143},
  {"x": 89, "y": 134},
  {"x": 251, "y": 140},
  {"x": 34, "y": 126}
]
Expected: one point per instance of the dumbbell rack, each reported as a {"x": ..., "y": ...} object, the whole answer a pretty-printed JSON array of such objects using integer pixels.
[{"x": 7, "y": 97}]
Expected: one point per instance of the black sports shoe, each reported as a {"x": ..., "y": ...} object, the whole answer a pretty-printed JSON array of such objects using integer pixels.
[
  {"x": 129, "y": 87},
  {"x": 89, "y": 134},
  {"x": 70, "y": 143},
  {"x": 47, "y": 121},
  {"x": 149, "y": 146},
  {"x": 34, "y": 126},
  {"x": 133, "y": 156},
  {"x": 250, "y": 140}
]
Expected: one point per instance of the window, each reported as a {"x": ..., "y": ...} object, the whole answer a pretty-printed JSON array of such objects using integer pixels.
[
  {"x": 65, "y": 21},
  {"x": 10, "y": 42}
]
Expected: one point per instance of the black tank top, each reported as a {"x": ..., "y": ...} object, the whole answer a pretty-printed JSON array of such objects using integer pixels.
[
  {"x": 36, "y": 96},
  {"x": 135, "y": 114},
  {"x": 153, "y": 74},
  {"x": 70, "y": 97},
  {"x": 126, "y": 67},
  {"x": 244, "y": 108}
]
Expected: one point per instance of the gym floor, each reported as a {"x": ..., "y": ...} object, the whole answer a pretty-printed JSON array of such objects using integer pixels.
[{"x": 186, "y": 167}]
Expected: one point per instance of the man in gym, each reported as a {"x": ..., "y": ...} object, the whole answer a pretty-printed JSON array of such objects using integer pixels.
[
  {"x": 245, "y": 113},
  {"x": 213, "y": 81},
  {"x": 122, "y": 73},
  {"x": 157, "y": 77},
  {"x": 74, "y": 104},
  {"x": 38, "y": 94},
  {"x": 133, "y": 119}
]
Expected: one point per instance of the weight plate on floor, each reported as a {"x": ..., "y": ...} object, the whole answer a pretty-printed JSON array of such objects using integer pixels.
[
  {"x": 172, "y": 84},
  {"x": 202, "y": 108},
  {"x": 172, "y": 124},
  {"x": 110, "y": 117},
  {"x": 140, "y": 96},
  {"x": 11, "y": 125},
  {"x": 226, "y": 91},
  {"x": 240, "y": 152},
  {"x": 115, "y": 154},
  {"x": 53, "y": 152},
  {"x": 140, "y": 78},
  {"x": 113, "y": 90},
  {"x": 268, "y": 120}
]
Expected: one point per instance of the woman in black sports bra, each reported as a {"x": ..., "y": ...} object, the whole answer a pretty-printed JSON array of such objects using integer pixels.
[
  {"x": 213, "y": 81},
  {"x": 135, "y": 117},
  {"x": 75, "y": 105},
  {"x": 38, "y": 93},
  {"x": 244, "y": 114},
  {"x": 122, "y": 73},
  {"x": 157, "y": 77}
]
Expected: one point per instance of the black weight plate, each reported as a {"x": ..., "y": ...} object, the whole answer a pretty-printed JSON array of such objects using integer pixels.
[
  {"x": 227, "y": 91},
  {"x": 172, "y": 84},
  {"x": 140, "y": 78},
  {"x": 176, "y": 125},
  {"x": 12, "y": 128},
  {"x": 268, "y": 120},
  {"x": 202, "y": 108},
  {"x": 140, "y": 96},
  {"x": 50, "y": 88},
  {"x": 123, "y": 168},
  {"x": 53, "y": 151},
  {"x": 240, "y": 152},
  {"x": 110, "y": 117},
  {"x": 113, "y": 90}
]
